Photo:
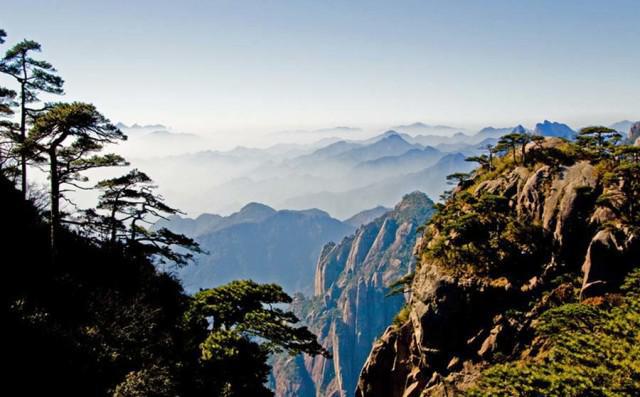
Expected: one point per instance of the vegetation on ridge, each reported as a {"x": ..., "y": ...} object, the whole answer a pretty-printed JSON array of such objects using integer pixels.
[{"x": 581, "y": 349}]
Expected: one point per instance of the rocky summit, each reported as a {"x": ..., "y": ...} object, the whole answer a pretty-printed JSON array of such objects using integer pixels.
[{"x": 525, "y": 283}]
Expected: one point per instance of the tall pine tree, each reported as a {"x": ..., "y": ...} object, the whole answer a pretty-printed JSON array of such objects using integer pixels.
[
  {"x": 69, "y": 135},
  {"x": 34, "y": 77},
  {"x": 7, "y": 127},
  {"x": 130, "y": 205}
]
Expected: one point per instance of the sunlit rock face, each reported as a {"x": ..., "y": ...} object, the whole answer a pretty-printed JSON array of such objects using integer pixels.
[
  {"x": 350, "y": 308},
  {"x": 459, "y": 323}
]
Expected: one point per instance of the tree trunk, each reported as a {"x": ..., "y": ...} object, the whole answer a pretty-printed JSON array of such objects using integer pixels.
[
  {"x": 23, "y": 137},
  {"x": 113, "y": 220},
  {"x": 55, "y": 200}
]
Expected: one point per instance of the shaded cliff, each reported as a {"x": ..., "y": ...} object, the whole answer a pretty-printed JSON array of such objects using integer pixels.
[
  {"x": 284, "y": 246},
  {"x": 520, "y": 257},
  {"x": 350, "y": 308}
]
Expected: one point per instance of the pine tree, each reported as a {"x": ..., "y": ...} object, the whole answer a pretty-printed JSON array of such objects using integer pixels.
[
  {"x": 7, "y": 127},
  {"x": 34, "y": 77},
  {"x": 600, "y": 134},
  {"x": 459, "y": 178},
  {"x": 70, "y": 135},
  {"x": 8, "y": 132},
  {"x": 508, "y": 143},
  {"x": 523, "y": 139},
  {"x": 131, "y": 206},
  {"x": 482, "y": 160},
  {"x": 245, "y": 324},
  {"x": 490, "y": 150}
]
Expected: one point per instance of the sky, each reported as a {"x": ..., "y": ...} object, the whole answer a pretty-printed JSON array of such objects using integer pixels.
[{"x": 243, "y": 67}]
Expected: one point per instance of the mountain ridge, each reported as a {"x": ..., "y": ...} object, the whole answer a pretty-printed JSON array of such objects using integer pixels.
[
  {"x": 540, "y": 243},
  {"x": 350, "y": 306}
]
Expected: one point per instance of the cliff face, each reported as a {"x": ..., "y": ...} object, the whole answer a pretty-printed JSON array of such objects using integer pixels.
[
  {"x": 634, "y": 133},
  {"x": 506, "y": 247},
  {"x": 350, "y": 307}
]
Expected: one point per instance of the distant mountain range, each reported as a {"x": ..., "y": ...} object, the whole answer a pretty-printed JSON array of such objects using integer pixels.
[
  {"x": 390, "y": 145},
  {"x": 623, "y": 126},
  {"x": 339, "y": 175},
  {"x": 259, "y": 243},
  {"x": 549, "y": 128},
  {"x": 431, "y": 180},
  {"x": 422, "y": 128},
  {"x": 137, "y": 126}
]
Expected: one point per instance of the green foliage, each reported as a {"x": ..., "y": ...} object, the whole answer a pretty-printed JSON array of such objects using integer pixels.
[
  {"x": 482, "y": 160},
  {"x": 579, "y": 349},
  {"x": 103, "y": 322},
  {"x": 585, "y": 350},
  {"x": 155, "y": 381},
  {"x": 70, "y": 135},
  {"x": 247, "y": 309},
  {"x": 100, "y": 319},
  {"x": 459, "y": 178},
  {"x": 33, "y": 77},
  {"x": 510, "y": 142},
  {"x": 126, "y": 207},
  {"x": 484, "y": 235},
  {"x": 245, "y": 326},
  {"x": 402, "y": 316},
  {"x": 401, "y": 285}
]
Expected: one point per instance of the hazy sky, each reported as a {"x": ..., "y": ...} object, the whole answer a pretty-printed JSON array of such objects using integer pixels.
[{"x": 268, "y": 65}]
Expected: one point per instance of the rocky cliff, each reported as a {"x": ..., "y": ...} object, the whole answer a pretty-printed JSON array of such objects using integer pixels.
[
  {"x": 634, "y": 133},
  {"x": 351, "y": 308},
  {"x": 514, "y": 252}
]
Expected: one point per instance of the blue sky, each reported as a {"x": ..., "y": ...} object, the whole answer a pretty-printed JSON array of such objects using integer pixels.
[{"x": 267, "y": 65}]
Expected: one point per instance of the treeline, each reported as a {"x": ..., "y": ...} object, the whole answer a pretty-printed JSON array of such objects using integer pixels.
[
  {"x": 483, "y": 232},
  {"x": 87, "y": 312},
  {"x": 594, "y": 143}
]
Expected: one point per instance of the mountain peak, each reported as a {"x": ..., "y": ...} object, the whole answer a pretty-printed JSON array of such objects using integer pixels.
[
  {"x": 390, "y": 133},
  {"x": 413, "y": 206},
  {"x": 367, "y": 216},
  {"x": 554, "y": 129},
  {"x": 256, "y": 208}
]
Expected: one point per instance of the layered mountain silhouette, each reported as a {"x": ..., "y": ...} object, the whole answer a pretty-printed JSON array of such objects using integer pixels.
[
  {"x": 259, "y": 243},
  {"x": 327, "y": 171},
  {"x": 431, "y": 180}
]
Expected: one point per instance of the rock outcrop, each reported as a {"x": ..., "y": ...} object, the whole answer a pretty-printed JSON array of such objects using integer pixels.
[
  {"x": 351, "y": 308},
  {"x": 462, "y": 321},
  {"x": 634, "y": 133}
]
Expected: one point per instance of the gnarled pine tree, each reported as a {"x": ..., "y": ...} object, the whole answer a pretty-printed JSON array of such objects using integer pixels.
[
  {"x": 131, "y": 206},
  {"x": 34, "y": 77},
  {"x": 70, "y": 135}
]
